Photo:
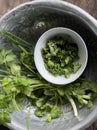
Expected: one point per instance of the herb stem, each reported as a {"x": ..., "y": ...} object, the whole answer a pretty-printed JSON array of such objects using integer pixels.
[
  {"x": 15, "y": 104},
  {"x": 17, "y": 39},
  {"x": 73, "y": 105},
  {"x": 28, "y": 67},
  {"x": 4, "y": 71},
  {"x": 40, "y": 86},
  {"x": 28, "y": 118}
]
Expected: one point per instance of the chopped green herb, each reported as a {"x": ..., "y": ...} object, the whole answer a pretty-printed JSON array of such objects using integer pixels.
[{"x": 59, "y": 56}]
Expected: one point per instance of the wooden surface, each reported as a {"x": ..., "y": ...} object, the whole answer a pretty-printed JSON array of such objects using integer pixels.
[{"x": 88, "y": 5}]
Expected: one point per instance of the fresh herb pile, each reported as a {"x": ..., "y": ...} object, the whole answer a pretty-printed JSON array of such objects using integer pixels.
[
  {"x": 19, "y": 80},
  {"x": 60, "y": 56}
]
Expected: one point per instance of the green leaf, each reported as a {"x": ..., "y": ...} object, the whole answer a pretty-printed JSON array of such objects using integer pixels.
[
  {"x": 6, "y": 56},
  {"x": 92, "y": 86},
  {"x": 10, "y": 58},
  {"x": 47, "y": 107},
  {"x": 55, "y": 112},
  {"x": 61, "y": 91},
  {"x": 4, "y": 117},
  {"x": 2, "y": 54},
  {"x": 49, "y": 118},
  {"x": 8, "y": 85},
  {"x": 40, "y": 113},
  {"x": 22, "y": 80},
  {"x": 40, "y": 102},
  {"x": 17, "y": 101},
  {"x": 15, "y": 69}
]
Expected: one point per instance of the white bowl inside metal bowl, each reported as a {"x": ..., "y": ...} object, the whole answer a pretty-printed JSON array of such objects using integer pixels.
[
  {"x": 30, "y": 21},
  {"x": 39, "y": 62}
]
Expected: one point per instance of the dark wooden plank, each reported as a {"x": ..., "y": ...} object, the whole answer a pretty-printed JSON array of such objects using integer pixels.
[
  {"x": 6, "y": 5},
  {"x": 88, "y": 5}
]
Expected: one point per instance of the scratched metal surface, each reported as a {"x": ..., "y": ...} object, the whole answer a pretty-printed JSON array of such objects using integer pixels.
[{"x": 88, "y": 5}]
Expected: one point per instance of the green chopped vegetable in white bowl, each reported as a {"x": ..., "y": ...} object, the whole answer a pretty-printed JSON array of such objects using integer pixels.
[{"x": 60, "y": 55}]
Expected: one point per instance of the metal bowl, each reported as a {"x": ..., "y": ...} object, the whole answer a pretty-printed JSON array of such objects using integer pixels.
[{"x": 30, "y": 21}]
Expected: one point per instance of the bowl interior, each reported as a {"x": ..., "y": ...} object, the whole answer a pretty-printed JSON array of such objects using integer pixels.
[
  {"x": 29, "y": 22},
  {"x": 39, "y": 62}
]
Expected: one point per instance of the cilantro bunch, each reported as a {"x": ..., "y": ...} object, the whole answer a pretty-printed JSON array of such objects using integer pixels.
[{"x": 19, "y": 80}]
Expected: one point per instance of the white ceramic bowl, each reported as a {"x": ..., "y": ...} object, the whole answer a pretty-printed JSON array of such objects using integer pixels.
[{"x": 39, "y": 62}]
